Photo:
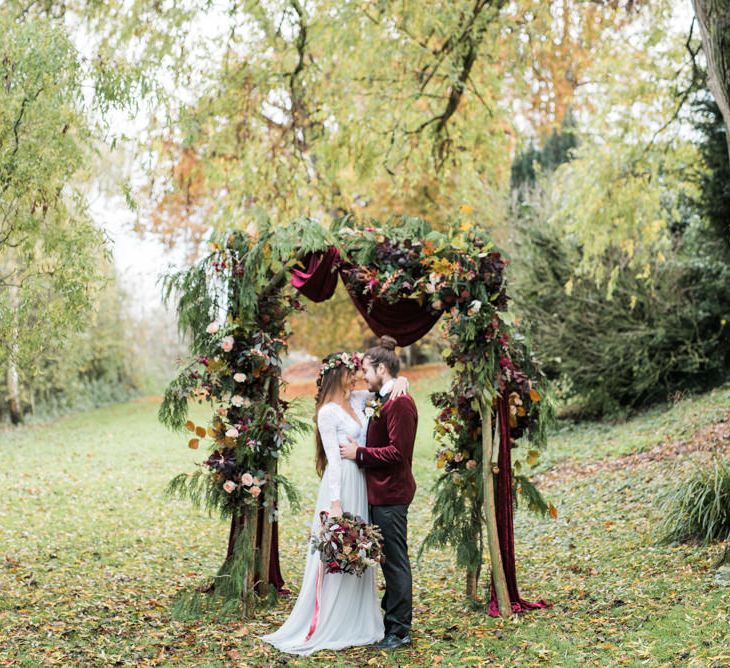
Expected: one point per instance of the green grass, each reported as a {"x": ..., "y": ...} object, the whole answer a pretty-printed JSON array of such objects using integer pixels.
[
  {"x": 93, "y": 554},
  {"x": 585, "y": 441}
]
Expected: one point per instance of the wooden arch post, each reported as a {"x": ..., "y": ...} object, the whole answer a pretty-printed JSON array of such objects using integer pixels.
[{"x": 490, "y": 510}]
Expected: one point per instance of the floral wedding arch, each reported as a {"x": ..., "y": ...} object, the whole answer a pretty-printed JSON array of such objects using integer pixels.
[{"x": 403, "y": 278}]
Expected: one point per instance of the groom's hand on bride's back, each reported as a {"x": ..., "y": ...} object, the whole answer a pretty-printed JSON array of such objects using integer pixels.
[{"x": 349, "y": 450}]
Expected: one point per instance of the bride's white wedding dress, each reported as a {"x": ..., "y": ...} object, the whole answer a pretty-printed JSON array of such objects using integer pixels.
[{"x": 349, "y": 612}]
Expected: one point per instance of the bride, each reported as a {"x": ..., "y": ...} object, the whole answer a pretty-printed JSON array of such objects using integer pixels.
[{"x": 348, "y": 613}]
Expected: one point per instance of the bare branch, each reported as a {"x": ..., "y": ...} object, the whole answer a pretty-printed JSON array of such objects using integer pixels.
[{"x": 467, "y": 38}]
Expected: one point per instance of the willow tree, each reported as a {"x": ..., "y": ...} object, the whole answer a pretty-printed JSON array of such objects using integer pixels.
[
  {"x": 368, "y": 107},
  {"x": 333, "y": 107},
  {"x": 326, "y": 108},
  {"x": 50, "y": 252}
]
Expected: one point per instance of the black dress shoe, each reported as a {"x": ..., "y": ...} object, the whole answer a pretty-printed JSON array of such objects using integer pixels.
[{"x": 393, "y": 641}]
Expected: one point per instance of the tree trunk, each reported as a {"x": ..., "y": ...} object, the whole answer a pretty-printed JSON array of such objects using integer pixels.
[
  {"x": 472, "y": 583},
  {"x": 13, "y": 384},
  {"x": 713, "y": 17},
  {"x": 16, "y": 415},
  {"x": 490, "y": 511}
]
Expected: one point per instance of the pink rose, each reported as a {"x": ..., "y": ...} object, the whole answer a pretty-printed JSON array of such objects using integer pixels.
[
  {"x": 247, "y": 479},
  {"x": 229, "y": 486},
  {"x": 227, "y": 343},
  {"x": 212, "y": 328},
  {"x": 255, "y": 491}
]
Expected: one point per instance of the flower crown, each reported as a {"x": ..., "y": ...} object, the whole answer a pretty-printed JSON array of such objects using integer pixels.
[{"x": 352, "y": 361}]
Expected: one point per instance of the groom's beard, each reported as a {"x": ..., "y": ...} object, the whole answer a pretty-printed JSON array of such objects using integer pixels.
[{"x": 375, "y": 386}]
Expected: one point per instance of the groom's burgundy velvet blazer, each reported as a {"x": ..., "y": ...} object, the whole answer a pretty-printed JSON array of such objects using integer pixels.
[{"x": 388, "y": 454}]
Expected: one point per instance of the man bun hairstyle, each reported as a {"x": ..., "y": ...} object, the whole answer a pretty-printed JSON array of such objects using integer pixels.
[
  {"x": 387, "y": 342},
  {"x": 384, "y": 353}
]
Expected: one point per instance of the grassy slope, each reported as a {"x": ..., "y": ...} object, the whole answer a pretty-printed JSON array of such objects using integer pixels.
[{"x": 93, "y": 553}]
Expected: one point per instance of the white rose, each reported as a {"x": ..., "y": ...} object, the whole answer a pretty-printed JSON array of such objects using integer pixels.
[
  {"x": 369, "y": 411},
  {"x": 212, "y": 328},
  {"x": 237, "y": 400},
  {"x": 232, "y": 433},
  {"x": 227, "y": 343},
  {"x": 239, "y": 377},
  {"x": 247, "y": 479}
]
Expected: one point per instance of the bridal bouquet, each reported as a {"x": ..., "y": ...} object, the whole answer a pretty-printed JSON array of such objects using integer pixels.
[{"x": 348, "y": 544}]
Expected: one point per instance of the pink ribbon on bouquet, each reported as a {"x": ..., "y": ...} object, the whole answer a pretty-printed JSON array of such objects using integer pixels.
[
  {"x": 318, "y": 588},
  {"x": 317, "y": 596}
]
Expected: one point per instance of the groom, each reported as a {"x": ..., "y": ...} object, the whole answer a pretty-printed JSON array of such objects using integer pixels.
[{"x": 387, "y": 459}]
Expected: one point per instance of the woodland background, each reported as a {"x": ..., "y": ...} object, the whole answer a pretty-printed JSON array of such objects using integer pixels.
[
  {"x": 587, "y": 137},
  {"x": 583, "y": 135}
]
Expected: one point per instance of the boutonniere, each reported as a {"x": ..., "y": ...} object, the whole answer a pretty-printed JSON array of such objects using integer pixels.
[{"x": 373, "y": 407}]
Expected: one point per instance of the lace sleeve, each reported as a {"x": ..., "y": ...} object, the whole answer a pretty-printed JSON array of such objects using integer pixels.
[
  {"x": 327, "y": 424},
  {"x": 358, "y": 399}
]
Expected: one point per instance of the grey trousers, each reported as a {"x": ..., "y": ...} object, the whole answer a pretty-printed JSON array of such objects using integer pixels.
[{"x": 398, "y": 599}]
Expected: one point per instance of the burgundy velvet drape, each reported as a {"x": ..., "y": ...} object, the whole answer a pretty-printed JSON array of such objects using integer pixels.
[
  {"x": 318, "y": 279},
  {"x": 505, "y": 527},
  {"x": 407, "y": 321}
]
